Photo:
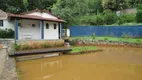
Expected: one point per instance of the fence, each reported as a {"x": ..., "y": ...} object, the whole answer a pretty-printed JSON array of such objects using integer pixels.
[{"x": 117, "y": 31}]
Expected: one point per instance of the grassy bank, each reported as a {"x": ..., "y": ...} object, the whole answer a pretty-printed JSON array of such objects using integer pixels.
[
  {"x": 132, "y": 40},
  {"x": 76, "y": 49}
]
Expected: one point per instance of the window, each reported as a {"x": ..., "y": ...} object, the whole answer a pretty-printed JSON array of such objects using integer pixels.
[
  {"x": 33, "y": 25},
  {"x": 19, "y": 24},
  {"x": 47, "y": 26},
  {"x": 1, "y": 22},
  {"x": 55, "y": 26}
]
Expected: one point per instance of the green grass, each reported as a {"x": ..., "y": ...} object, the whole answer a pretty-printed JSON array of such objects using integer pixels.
[
  {"x": 132, "y": 40},
  {"x": 82, "y": 48}
]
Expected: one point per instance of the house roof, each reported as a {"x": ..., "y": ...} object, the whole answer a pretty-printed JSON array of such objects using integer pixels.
[
  {"x": 3, "y": 15},
  {"x": 25, "y": 16},
  {"x": 37, "y": 10},
  {"x": 34, "y": 17}
]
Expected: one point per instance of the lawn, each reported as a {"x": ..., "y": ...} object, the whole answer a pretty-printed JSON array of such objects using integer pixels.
[
  {"x": 82, "y": 48},
  {"x": 132, "y": 40}
]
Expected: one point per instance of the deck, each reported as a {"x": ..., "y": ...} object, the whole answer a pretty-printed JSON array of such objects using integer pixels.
[{"x": 39, "y": 51}]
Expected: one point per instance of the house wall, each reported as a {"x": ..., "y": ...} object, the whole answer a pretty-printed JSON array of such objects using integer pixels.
[
  {"x": 51, "y": 33},
  {"x": 68, "y": 32},
  {"x": 26, "y": 31},
  {"x": 129, "y": 11},
  {"x": 45, "y": 15},
  {"x": 7, "y": 24}
]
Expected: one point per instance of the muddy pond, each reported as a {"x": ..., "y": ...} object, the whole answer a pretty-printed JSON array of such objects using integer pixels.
[{"x": 110, "y": 64}]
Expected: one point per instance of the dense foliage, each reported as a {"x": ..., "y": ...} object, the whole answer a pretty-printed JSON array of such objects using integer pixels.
[
  {"x": 95, "y": 12},
  {"x": 18, "y": 6},
  {"x": 80, "y": 12},
  {"x": 6, "y": 33},
  {"x": 139, "y": 14}
]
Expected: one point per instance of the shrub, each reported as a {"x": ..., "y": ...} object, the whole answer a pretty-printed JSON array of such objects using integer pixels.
[
  {"x": 6, "y": 33},
  {"x": 93, "y": 35},
  {"x": 126, "y": 18},
  {"x": 16, "y": 47},
  {"x": 109, "y": 17},
  {"x": 85, "y": 20},
  {"x": 138, "y": 41},
  {"x": 91, "y": 20},
  {"x": 105, "y": 38},
  {"x": 99, "y": 20}
]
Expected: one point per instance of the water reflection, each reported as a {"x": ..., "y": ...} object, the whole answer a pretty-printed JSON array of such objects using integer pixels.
[{"x": 40, "y": 70}]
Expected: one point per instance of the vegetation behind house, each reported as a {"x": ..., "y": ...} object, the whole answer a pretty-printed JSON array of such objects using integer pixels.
[{"x": 81, "y": 12}]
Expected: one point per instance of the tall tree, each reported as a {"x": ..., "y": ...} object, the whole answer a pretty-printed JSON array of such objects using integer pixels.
[
  {"x": 18, "y": 6},
  {"x": 15, "y": 6},
  {"x": 41, "y": 4},
  {"x": 115, "y": 5},
  {"x": 3, "y": 5}
]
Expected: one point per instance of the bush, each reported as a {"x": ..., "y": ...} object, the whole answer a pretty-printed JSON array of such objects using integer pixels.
[
  {"x": 16, "y": 47},
  {"x": 109, "y": 17},
  {"x": 99, "y": 20},
  {"x": 139, "y": 14},
  {"x": 138, "y": 41},
  {"x": 6, "y": 33},
  {"x": 105, "y": 38},
  {"x": 127, "y": 18},
  {"x": 90, "y": 20},
  {"x": 93, "y": 35}
]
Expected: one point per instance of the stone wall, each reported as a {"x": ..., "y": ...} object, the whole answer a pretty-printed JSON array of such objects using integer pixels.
[
  {"x": 7, "y": 64},
  {"x": 3, "y": 56},
  {"x": 103, "y": 43},
  {"x": 129, "y": 11}
]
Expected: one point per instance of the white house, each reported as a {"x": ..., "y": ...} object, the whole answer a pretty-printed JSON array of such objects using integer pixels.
[{"x": 33, "y": 25}]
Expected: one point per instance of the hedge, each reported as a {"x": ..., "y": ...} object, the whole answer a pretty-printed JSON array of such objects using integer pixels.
[{"x": 6, "y": 33}]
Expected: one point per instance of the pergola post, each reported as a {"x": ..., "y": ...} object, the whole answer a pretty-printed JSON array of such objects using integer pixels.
[
  {"x": 42, "y": 29},
  {"x": 16, "y": 29},
  {"x": 61, "y": 30}
]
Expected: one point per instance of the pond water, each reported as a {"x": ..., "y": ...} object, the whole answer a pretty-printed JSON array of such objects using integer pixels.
[{"x": 111, "y": 64}]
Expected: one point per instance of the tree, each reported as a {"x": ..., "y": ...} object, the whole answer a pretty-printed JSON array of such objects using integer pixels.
[
  {"x": 18, "y": 6},
  {"x": 95, "y": 6},
  {"x": 70, "y": 9},
  {"x": 115, "y": 5},
  {"x": 40, "y": 4},
  {"x": 139, "y": 14},
  {"x": 3, "y": 4},
  {"x": 15, "y": 6}
]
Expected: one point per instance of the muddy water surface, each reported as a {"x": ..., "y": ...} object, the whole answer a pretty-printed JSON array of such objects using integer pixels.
[{"x": 111, "y": 64}]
